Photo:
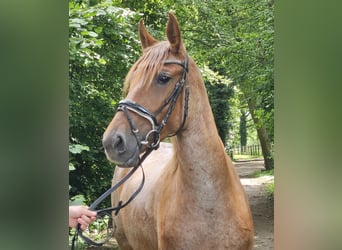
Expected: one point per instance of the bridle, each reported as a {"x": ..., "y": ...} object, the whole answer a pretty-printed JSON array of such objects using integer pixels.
[
  {"x": 152, "y": 138},
  {"x": 151, "y": 141}
]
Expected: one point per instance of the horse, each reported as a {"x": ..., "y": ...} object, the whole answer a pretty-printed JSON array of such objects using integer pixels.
[{"x": 192, "y": 197}]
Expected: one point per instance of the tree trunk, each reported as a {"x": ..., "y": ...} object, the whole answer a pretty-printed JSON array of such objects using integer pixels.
[
  {"x": 263, "y": 138},
  {"x": 243, "y": 129},
  {"x": 266, "y": 148}
]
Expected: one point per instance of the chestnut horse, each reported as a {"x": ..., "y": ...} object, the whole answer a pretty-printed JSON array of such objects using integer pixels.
[{"x": 192, "y": 197}]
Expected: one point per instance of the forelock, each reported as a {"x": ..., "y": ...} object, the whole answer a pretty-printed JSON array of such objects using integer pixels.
[{"x": 148, "y": 64}]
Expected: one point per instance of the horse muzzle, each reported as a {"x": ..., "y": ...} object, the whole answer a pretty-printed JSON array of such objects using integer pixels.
[{"x": 121, "y": 148}]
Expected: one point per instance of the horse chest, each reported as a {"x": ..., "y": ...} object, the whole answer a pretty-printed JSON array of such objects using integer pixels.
[{"x": 192, "y": 232}]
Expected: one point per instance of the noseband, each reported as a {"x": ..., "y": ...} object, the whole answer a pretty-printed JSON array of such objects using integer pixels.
[{"x": 152, "y": 138}]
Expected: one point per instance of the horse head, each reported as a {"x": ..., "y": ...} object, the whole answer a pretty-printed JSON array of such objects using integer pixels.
[{"x": 156, "y": 101}]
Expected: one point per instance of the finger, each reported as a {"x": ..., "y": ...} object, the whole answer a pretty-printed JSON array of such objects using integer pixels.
[
  {"x": 83, "y": 227},
  {"x": 90, "y": 213},
  {"x": 86, "y": 219},
  {"x": 83, "y": 223}
]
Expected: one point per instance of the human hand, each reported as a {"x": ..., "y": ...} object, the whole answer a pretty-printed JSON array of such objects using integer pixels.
[{"x": 82, "y": 215}]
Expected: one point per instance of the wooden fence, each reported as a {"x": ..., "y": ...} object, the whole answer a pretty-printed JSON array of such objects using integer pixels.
[{"x": 246, "y": 150}]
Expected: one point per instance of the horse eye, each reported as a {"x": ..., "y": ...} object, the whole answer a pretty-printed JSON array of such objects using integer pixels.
[{"x": 163, "y": 78}]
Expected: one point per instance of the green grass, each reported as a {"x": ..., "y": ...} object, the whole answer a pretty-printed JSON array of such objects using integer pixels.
[
  {"x": 263, "y": 173},
  {"x": 270, "y": 188},
  {"x": 246, "y": 157}
]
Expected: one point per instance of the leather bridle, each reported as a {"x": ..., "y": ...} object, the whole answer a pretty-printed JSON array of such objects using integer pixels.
[
  {"x": 152, "y": 138},
  {"x": 152, "y": 141}
]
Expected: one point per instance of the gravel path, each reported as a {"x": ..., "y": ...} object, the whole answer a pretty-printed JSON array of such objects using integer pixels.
[{"x": 260, "y": 201}]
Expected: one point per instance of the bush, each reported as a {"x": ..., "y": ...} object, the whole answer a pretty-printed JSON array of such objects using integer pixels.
[{"x": 102, "y": 46}]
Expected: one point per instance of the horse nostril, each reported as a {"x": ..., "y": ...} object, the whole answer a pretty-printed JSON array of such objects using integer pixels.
[
  {"x": 119, "y": 144},
  {"x": 115, "y": 143}
]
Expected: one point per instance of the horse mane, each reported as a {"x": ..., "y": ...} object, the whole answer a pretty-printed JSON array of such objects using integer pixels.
[{"x": 148, "y": 65}]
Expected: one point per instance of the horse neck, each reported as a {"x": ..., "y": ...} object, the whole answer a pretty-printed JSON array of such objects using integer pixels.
[{"x": 199, "y": 150}]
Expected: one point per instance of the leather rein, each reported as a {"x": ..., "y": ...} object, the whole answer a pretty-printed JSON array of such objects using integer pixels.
[{"x": 151, "y": 141}]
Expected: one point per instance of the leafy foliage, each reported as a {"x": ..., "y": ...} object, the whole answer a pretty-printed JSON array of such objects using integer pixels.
[
  {"x": 235, "y": 39},
  {"x": 102, "y": 46},
  {"x": 231, "y": 41},
  {"x": 219, "y": 91}
]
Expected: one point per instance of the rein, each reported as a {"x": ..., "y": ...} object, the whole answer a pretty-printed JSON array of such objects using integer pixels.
[
  {"x": 153, "y": 135},
  {"x": 105, "y": 211}
]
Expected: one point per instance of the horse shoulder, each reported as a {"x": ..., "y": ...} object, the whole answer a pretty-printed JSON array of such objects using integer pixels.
[{"x": 143, "y": 208}]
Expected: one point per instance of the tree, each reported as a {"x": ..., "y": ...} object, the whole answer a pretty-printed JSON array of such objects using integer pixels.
[
  {"x": 219, "y": 91},
  {"x": 255, "y": 73},
  {"x": 235, "y": 38},
  {"x": 102, "y": 46}
]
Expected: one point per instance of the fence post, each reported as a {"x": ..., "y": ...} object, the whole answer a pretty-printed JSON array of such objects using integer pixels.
[{"x": 231, "y": 154}]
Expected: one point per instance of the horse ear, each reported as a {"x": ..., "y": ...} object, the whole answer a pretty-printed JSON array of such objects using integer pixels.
[
  {"x": 146, "y": 39},
  {"x": 173, "y": 33}
]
